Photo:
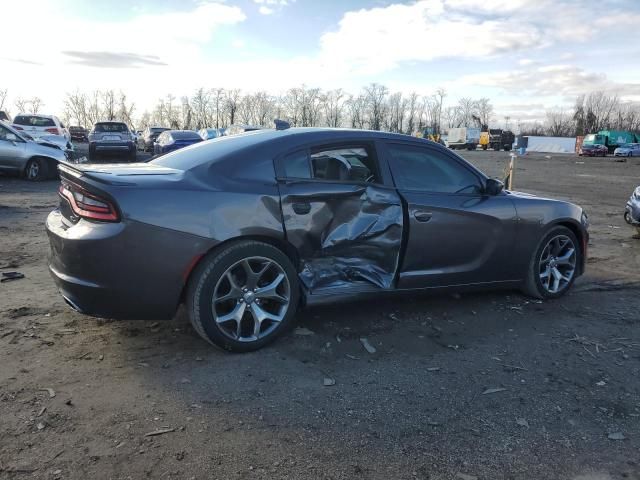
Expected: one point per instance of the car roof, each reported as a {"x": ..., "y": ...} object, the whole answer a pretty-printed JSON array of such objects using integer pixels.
[
  {"x": 244, "y": 148},
  {"x": 36, "y": 115},
  {"x": 111, "y": 121}
]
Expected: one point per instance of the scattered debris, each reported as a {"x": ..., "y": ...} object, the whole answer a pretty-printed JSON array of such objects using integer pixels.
[
  {"x": 367, "y": 346},
  {"x": 616, "y": 436},
  {"x": 464, "y": 476},
  {"x": 100, "y": 358},
  {"x": 601, "y": 383},
  {"x": 51, "y": 392},
  {"x": 42, "y": 410},
  {"x": 160, "y": 431},
  {"x": 493, "y": 390},
  {"x": 328, "y": 382},
  {"x": 303, "y": 331},
  {"x": 522, "y": 422},
  {"x": 8, "y": 276},
  {"x": 433, "y": 369},
  {"x": 42, "y": 426},
  {"x": 352, "y": 357}
]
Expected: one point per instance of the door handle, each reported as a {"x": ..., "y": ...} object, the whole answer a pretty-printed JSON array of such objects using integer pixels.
[
  {"x": 301, "y": 208},
  {"x": 422, "y": 216}
]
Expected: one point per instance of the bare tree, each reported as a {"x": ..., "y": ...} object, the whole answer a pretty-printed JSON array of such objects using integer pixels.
[
  {"x": 3, "y": 97},
  {"x": 108, "y": 105},
  {"x": 333, "y": 105},
  {"x": 559, "y": 124},
  {"x": 484, "y": 111},
  {"x": 21, "y": 104},
  {"x": 375, "y": 95},
  {"x": 233, "y": 99}
]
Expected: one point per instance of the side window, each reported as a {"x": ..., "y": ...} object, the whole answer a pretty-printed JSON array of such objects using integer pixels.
[
  {"x": 344, "y": 164},
  {"x": 425, "y": 169},
  {"x": 338, "y": 164},
  {"x": 296, "y": 165},
  {"x": 7, "y": 135}
]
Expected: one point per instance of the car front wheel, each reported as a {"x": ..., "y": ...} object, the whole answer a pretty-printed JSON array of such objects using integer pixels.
[
  {"x": 36, "y": 170},
  {"x": 244, "y": 296},
  {"x": 554, "y": 265}
]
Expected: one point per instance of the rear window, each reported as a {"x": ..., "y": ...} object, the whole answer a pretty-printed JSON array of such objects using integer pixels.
[
  {"x": 110, "y": 127},
  {"x": 185, "y": 135},
  {"x": 34, "y": 121},
  {"x": 158, "y": 130}
]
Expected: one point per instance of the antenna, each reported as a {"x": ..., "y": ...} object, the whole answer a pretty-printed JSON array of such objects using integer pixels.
[{"x": 281, "y": 124}]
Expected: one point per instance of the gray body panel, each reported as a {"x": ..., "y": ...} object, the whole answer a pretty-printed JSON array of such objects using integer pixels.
[
  {"x": 354, "y": 238},
  {"x": 15, "y": 154}
]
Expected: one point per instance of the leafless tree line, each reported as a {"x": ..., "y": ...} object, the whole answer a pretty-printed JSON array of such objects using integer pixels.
[
  {"x": 374, "y": 107},
  {"x": 591, "y": 113}
]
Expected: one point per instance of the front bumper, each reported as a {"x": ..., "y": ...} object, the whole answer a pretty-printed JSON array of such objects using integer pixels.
[{"x": 126, "y": 270}]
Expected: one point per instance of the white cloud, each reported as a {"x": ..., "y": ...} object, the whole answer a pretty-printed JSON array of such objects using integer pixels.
[
  {"x": 551, "y": 80},
  {"x": 268, "y": 7}
]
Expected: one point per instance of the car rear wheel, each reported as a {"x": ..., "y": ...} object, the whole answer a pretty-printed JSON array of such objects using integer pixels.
[
  {"x": 244, "y": 296},
  {"x": 554, "y": 265},
  {"x": 37, "y": 170}
]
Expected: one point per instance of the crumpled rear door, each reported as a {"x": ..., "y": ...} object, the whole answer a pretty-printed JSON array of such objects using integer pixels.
[{"x": 347, "y": 235}]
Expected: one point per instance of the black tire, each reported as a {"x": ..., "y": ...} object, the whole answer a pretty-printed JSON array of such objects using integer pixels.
[
  {"x": 132, "y": 155},
  {"x": 37, "y": 170},
  {"x": 92, "y": 153},
  {"x": 208, "y": 275},
  {"x": 533, "y": 286},
  {"x": 484, "y": 147},
  {"x": 627, "y": 218}
]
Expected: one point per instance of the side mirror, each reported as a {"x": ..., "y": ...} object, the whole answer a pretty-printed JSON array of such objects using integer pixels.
[{"x": 493, "y": 186}]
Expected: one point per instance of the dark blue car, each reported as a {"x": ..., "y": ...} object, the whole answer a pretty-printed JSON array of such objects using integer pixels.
[{"x": 174, "y": 140}]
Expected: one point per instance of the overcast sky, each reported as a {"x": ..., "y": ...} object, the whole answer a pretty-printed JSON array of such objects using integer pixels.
[{"x": 523, "y": 54}]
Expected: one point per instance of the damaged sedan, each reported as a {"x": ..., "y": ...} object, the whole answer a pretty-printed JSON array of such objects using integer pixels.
[{"x": 245, "y": 229}]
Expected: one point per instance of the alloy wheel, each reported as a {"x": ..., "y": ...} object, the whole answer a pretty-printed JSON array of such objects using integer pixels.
[
  {"x": 557, "y": 264},
  {"x": 251, "y": 298},
  {"x": 33, "y": 170}
]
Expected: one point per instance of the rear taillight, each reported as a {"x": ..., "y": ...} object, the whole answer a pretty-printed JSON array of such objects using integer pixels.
[
  {"x": 88, "y": 205},
  {"x": 52, "y": 131}
]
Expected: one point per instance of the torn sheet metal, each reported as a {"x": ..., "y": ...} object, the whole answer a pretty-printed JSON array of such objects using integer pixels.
[{"x": 345, "y": 234}]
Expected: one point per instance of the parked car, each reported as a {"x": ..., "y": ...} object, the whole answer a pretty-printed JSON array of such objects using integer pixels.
[
  {"x": 4, "y": 117},
  {"x": 246, "y": 229},
  {"x": 20, "y": 154},
  {"x": 148, "y": 138},
  {"x": 209, "y": 133},
  {"x": 38, "y": 125},
  {"x": 175, "y": 139},
  {"x": 628, "y": 150},
  {"x": 238, "y": 129},
  {"x": 632, "y": 210},
  {"x": 593, "y": 150},
  {"x": 78, "y": 134},
  {"x": 111, "y": 138}
]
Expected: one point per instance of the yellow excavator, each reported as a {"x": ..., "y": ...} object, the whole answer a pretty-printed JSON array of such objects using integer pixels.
[{"x": 429, "y": 134}]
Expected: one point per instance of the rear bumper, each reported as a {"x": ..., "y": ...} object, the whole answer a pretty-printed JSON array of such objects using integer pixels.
[
  {"x": 126, "y": 270},
  {"x": 113, "y": 147}
]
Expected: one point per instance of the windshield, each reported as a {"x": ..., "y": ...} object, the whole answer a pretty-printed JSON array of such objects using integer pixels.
[
  {"x": 110, "y": 127},
  {"x": 34, "y": 121}
]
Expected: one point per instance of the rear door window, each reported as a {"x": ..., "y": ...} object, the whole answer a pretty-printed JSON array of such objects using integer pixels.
[{"x": 350, "y": 164}]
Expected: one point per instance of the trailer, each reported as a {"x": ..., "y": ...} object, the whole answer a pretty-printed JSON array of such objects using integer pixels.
[
  {"x": 463, "y": 138},
  {"x": 612, "y": 139}
]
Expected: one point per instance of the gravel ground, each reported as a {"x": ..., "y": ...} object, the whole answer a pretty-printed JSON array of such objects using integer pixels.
[{"x": 485, "y": 386}]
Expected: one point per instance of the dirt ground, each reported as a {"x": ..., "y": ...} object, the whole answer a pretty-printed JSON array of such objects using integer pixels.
[{"x": 486, "y": 386}]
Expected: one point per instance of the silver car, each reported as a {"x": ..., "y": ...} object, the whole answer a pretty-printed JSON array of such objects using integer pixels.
[
  {"x": 24, "y": 156},
  {"x": 627, "y": 150},
  {"x": 112, "y": 138}
]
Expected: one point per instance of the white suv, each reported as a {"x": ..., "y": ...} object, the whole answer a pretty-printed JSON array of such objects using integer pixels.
[{"x": 40, "y": 125}]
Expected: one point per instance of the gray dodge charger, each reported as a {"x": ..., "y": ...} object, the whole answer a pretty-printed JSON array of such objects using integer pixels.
[{"x": 245, "y": 229}]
